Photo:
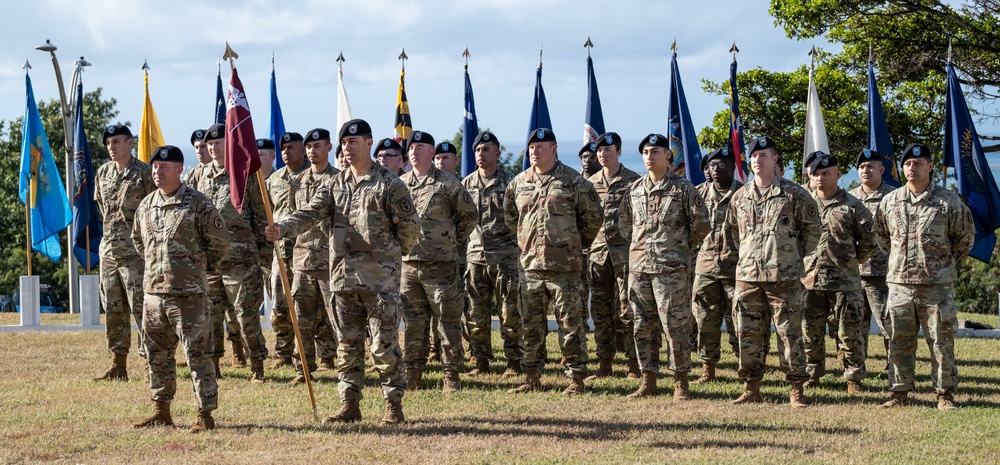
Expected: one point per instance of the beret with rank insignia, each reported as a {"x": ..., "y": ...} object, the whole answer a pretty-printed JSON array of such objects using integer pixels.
[
  {"x": 198, "y": 134},
  {"x": 721, "y": 152},
  {"x": 214, "y": 132},
  {"x": 486, "y": 138},
  {"x": 542, "y": 135},
  {"x": 290, "y": 137},
  {"x": 761, "y": 143},
  {"x": 317, "y": 135},
  {"x": 265, "y": 144},
  {"x": 609, "y": 139},
  {"x": 355, "y": 127},
  {"x": 868, "y": 155},
  {"x": 115, "y": 130},
  {"x": 419, "y": 137},
  {"x": 915, "y": 150},
  {"x": 446, "y": 147},
  {"x": 819, "y": 160},
  {"x": 590, "y": 147},
  {"x": 388, "y": 144},
  {"x": 167, "y": 153},
  {"x": 656, "y": 140}
]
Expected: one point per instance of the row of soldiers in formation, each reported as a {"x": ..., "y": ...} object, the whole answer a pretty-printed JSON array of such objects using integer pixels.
[{"x": 372, "y": 246}]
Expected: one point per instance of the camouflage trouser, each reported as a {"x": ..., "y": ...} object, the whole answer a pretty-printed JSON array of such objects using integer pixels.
[
  {"x": 284, "y": 333},
  {"x": 932, "y": 308},
  {"x": 757, "y": 306},
  {"x": 223, "y": 316},
  {"x": 313, "y": 302},
  {"x": 484, "y": 284},
  {"x": 245, "y": 291},
  {"x": 662, "y": 303},
  {"x": 121, "y": 296},
  {"x": 844, "y": 313},
  {"x": 876, "y": 291},
  {"x": 561, "y": 290},
  {"x": 608, "y": 309},
  {"x": 713, "y": 305},
  {"x": 431, "y": 288},
  {"x": 185, "y": 318},
  {"x": 355, "y": 313},
  {"x": 435, "y": 338}
]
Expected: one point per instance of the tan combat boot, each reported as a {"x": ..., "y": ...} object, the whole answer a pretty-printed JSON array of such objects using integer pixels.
[
  {"x": 797, "y": 398},
  {"x": 707, "y": 374},
  {"x": 813, "y": 381},
  {"x": 256, "y": 370},
  {"x": 393, "y": 413},
  {"x": 413, "y": 378},
  {"x": 160, "y": 417},
  {"x": 531, "y": 383},
  {"x": 946, "y": 402},
  {"x": 117, "y": 372},
  {"x": 603, "y": 370},
  {"x": 898, "y": 400},
  {"x": 283, "y": 362},
  {"x": 328, "y": 363},
  {"x": 854, "y": 387},
  {"x": 349, "y": 412},
  {"x": 205, "y": 422},
  {"x": 681, "y": 391},
  {"x": 575, "y": 387},
  {"x": 647, "y": 388},
  {"x": 482, "y": 367},
  {"x": 451, "y": 382},
  {"x": 633, "y": 369},
  {"x": 239, "y": 358},
  {"x": 751, "y": 394},
  {"x": 513, "y": 369},
  {"x": 300, "y": 378}
]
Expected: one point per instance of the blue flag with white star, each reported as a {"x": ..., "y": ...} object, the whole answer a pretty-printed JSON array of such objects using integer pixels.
[
  {"x": 539, "y": 116},
  {"x": 470, "y": 129}
]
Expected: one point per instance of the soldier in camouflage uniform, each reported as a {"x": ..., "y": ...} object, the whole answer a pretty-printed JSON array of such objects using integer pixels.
[
  {"x": 832, "y": 281},
  {"x": 119, "y": 186},
  {"x": 664, "y": 219},
  {"x": 873, "y": 285},
  {"x": 373, "y": 222},
  {"x": 201, "y": 151},
  {"x": 492, "y": 261},
  {"x": 714, "y": 286},
  {"x": 928, "y": 230},
  {"x": 609, "y": 261},
  {"x": 240, "y": 271},
  {"x": 446, "y": 159},
  {"x": 390, "y": 155},
  {"x": 311, "y": 261},
  {"x": 430, "y": 281},
  {"x": 556, "y": 214},
  {"x": 279, "y": 188},
  {"x": 775, "y": 224},
  {"x": 179, "y": 234}
]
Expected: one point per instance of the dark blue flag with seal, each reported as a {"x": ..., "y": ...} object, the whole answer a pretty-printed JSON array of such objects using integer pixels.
[
  {"x": 87, "y": 227},
  {"x": 539, "y": 116},
  {"x": 593, "y": 126},
  {"x": 276, "y": 127},
  {"x": 680, "y": 130},
  {"x": 220, "y": 100},
  {"x": 470, "y": 129},
  {"x": 878, "y": 132}
]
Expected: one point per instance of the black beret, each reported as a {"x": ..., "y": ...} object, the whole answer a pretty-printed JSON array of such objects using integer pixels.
[
  {"x": 420, "y": 137},
  {"x": 761, "y": 143},
  {"x": 215, "y": 131},
  {"x": 388, "y": 144},
  {"x": 317, "y": 134},
  {"x": 446, "y": 147},
  {"x": 868, "y": 155},
  {"x": 167, "y": 153},
  {"x": 198, "y": 134},
  {"x": 819, "y": 160},
  {"x": 265, "y": 144},
  {"x": 588, "y": 147},
  {"x": 704, "y": 163},
  {"x": 915, "y": 150},
  {"x": 721, "y": 152},
  {"x": 289, "y": 137},
  {"x": 609, "y": 138},
  {"x": 340, "y": 150},
  {"x": 486, "y": 138},
  {"x": 115, "y": 130},
  {"x": 542, "y": 135},
  {"x": 656, "y": 140},
  {"x": 355, "y": 127}
]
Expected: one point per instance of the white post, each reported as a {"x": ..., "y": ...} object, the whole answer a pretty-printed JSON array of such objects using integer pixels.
[
  {"x": 90, "y": 300},
  {"x": 30, "y": 286}
]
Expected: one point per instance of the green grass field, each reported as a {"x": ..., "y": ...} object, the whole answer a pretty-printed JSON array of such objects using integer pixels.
[{"x": 53, "y": 412}]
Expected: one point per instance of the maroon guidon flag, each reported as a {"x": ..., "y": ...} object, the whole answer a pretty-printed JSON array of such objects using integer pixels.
[{"x": 242, "y": 157}]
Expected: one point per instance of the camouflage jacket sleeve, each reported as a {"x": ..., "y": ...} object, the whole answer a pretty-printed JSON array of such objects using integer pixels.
[
  {"x": 306, "y": 216},
  {"x": 258, "y": 221},
  {"x": 961, "y": 231},
  {"x": 881, "y": 232},
  {"x": 216, "y": 242},
  {"x": 807, "y": 219},
  {"x": 864, "y": 231},
  {"x": 399, "y": 208},
  {"x": 137, "y": 230},
  {"x": 589, "y": 213},
  {"x": 466, "y": 214},
  {"x": 511, "y": 215},
  {"x": 698, "y": 218},
  {"x": 625, "y": 217},
  {"x": 731, "y": 222}
]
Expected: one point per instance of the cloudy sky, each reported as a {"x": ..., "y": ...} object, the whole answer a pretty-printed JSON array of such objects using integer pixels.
[{"x": 183, "y": 40}]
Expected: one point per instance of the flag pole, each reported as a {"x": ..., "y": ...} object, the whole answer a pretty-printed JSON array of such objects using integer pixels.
[
  {"x": 231, "y": 56},
  {"x": 27, "y": 202},
  {"x": 86, "y": 233}
]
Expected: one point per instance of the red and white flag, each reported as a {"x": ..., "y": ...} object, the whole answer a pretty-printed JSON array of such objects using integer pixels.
[{"x": 242, "y": 157}]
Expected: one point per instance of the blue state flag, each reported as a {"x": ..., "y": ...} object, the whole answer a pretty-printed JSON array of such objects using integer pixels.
[
  {"x": 220, "y": 101},
  {"x": 40, "y": 186},
  {"x": 86, "y": 221},
  {"x": 964, "y": 152},
  {"x": 470, "y": 129},
  {"x": 878, "y": 132},
  {"x": 276, "y": 127},
  {"x": 539, "y": 116},
  {"x": 683, "y": 139},
  {"x": 593, "y": 126}
]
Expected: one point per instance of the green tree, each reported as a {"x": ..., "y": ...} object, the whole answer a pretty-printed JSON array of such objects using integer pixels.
[{"x": 506, "y": 162}]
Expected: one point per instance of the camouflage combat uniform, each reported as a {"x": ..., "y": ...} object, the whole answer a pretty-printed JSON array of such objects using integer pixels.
[
  {"x": 373, "y": 221},
  {"x": 118, "y": 194},
  {"x": 608, "y": 268},
  {"x": 664, "y": 222},
  {"x": 179, "y": 236},
  {"x": 715, "y": 276},
  {"x": 279, "y": 189},
  {"x": 927, "y": 234},
  {"x": 873, "y": 285},
  {"x": 430, "y": 281},
  {"x": 833, "y": 284},
  {"x": 556, "y": 215},
  {"x": 774, "y": 228}
]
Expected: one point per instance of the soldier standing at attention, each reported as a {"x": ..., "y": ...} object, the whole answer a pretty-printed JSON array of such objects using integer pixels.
[
  {"x": 556, "y": 214},
  {"x": 265, "y": 147},
  {"x": 430, "y": 281},
  {"x": 775, "y": 224},
  {"x": 311, "y": 262},
  {"x": 201, "y": 151},
  {"x": 928, "y": 230},
  {"x": 715, "y": 266},
  {"x": 241, "y": 276},
  {"x": 373, "y": 222},
  {"x": 608, "y": 262},
  {"x": 492, "y": 262},
  {"x": 179, "y": 234},
  {"x": 832, "y": 280},
  {"x": 279, "y": 187},
  {"x": 446, "y": 159},
  {"x": 664, "y": 219},
  {"x": 119, "y": 187},
  {"x": 390, "y": 155}
]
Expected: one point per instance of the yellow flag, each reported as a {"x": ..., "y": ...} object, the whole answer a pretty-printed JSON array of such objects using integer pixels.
[{"x": 150, "y": 136}]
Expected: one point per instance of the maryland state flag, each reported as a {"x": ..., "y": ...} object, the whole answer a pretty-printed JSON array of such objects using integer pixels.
[
  {"x": 403, "y": 124},
  {"x": 242, "y": 157},
  {"x": 150, "y": 136}
]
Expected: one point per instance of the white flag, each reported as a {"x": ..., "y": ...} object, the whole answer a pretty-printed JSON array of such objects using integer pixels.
[{"x": 815, "y": 129}]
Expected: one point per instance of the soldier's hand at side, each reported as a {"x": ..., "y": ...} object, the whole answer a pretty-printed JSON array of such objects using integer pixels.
[{"x": 272, "y": 232}]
